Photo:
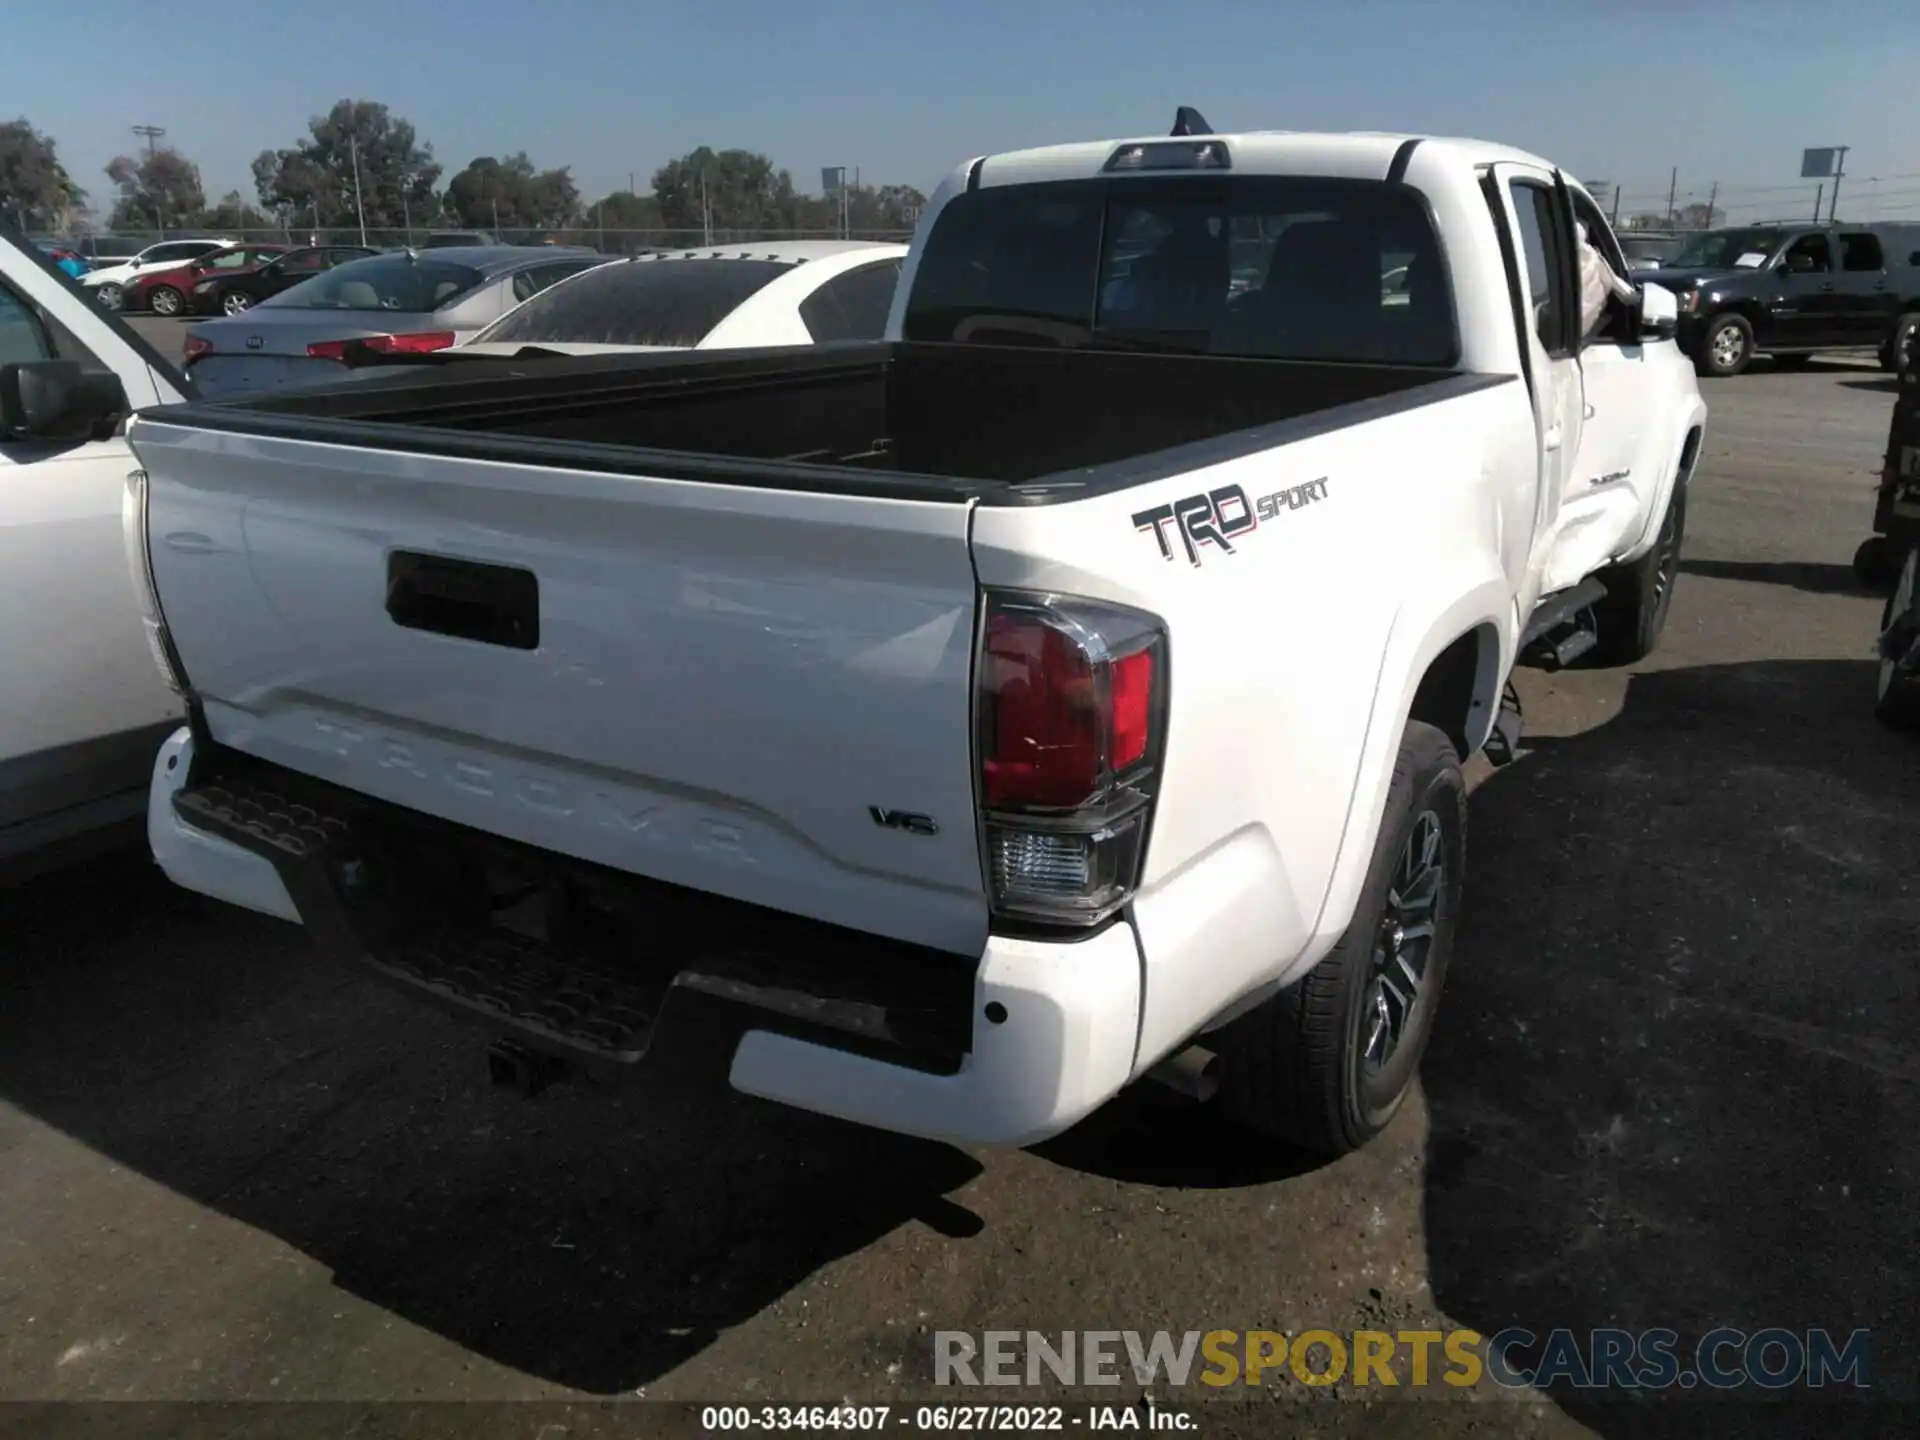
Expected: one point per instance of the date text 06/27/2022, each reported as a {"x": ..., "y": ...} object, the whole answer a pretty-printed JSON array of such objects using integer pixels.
[{"x": 945, "y": 1418}]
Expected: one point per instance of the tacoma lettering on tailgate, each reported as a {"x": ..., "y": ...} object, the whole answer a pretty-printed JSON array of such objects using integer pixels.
[{"x": 669, "y": 824}]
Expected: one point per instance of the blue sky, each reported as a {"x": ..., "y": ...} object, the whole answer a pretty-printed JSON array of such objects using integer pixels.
[{"x": 1614, "y": 89}]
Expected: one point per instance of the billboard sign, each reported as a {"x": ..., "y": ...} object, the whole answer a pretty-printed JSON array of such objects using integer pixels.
[{"x": 1819, "y": 164}]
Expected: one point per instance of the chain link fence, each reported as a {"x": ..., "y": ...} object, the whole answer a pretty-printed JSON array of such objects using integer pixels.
[{"x": 609, "y": 240}]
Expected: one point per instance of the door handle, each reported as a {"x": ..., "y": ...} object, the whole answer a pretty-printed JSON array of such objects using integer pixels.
[
  {"x": 1824, "y": 289},
  {"x": 1879, "y": 284},
  {"x": 1554, "y": 436},
  {"x": 1587, "y": 414}
]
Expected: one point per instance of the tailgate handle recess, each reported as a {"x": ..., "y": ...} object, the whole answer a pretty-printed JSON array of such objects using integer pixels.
[{"x": 464, "y": 599}]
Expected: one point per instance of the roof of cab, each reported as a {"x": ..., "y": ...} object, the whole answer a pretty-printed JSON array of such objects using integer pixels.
[{"x": 1354, "y": 154}]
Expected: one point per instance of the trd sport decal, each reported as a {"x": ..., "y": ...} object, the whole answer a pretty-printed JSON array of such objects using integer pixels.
[{"x": 1221, "y": 516}]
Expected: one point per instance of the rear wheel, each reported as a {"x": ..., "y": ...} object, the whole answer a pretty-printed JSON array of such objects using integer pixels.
[
  {"x": 1639, "y": 595},
  {"x": 1896, "y": 699},
  {"x": 1872, "y": 561},
  {"x": 234, "y": 302},
  {"x": 1327, "y": 1063},
  {"x": 165, "y": 300},
  {"x": 1897, "y": 354},
  {"x": 1726, "y": 346}
]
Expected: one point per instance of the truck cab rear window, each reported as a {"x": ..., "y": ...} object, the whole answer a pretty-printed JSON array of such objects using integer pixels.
[{"x": 1282, "y": 268}]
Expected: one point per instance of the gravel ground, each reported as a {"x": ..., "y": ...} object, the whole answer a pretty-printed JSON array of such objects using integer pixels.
[{"x": 1674, "y": 1084}]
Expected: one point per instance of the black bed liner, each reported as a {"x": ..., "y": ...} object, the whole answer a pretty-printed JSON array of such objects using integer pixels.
[{"x": 946, "y": 422}]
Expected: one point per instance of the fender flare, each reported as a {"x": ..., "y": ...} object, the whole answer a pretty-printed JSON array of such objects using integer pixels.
[{"x": 1483, "y": 605}]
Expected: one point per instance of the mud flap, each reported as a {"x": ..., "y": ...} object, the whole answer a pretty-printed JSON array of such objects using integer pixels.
[{"x": 1503, "y": 744}]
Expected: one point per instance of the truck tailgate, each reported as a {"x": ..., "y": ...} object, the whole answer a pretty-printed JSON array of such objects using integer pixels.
[{"x": 719, "y": 686}]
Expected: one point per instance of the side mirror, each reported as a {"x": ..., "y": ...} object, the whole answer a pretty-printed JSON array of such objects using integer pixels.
[
  {"x": 1659, "y": 313},
  {"x": 57, "y": 400}
]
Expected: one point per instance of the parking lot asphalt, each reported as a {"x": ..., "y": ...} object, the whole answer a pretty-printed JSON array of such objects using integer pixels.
[{"x": 1674, "y": 1084}]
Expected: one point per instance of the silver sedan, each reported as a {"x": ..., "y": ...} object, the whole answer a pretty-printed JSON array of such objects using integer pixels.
[{"x": 404, "y": 301}]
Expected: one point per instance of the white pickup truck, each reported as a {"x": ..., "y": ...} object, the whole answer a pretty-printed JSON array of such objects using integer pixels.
[
  {"x": 82, "y": 706},
  {"x": 1070, "y": 688}
]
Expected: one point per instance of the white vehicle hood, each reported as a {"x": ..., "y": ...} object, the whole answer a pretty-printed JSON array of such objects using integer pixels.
[{"x": 114, "y": 274}]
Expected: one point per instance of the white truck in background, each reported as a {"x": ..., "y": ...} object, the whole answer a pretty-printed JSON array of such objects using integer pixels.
[
  {"x": 82, "y": 705},
  {"x": 1071, "y": 688}
]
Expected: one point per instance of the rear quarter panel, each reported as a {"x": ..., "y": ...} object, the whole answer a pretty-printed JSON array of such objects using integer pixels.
[{"x": 1293, "y": 663}]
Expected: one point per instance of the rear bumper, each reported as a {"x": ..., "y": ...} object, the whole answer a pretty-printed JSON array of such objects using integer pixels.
[
  {"x": 196, "y": 860},
  {"x": 1064, "y": 1048},
  {"x": 1053, "y": 1027}
]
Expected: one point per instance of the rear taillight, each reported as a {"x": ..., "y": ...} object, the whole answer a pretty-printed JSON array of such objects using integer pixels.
[
  {"x": 1072, "y": 727},
  {"x": 194, "y": 349},
  {"x": 382, "y": 345},
  {"x": 133, "y": 532}
]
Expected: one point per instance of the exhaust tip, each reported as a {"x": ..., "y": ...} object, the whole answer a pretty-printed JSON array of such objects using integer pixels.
[
  {"x": 1194, "y": 1072},
  {"x": 510, "y": 1067}
]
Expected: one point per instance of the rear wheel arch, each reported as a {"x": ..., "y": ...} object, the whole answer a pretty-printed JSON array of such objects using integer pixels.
[
  {"x": 1416, "y": 681},
  {"x": 1460, "y": 689}
]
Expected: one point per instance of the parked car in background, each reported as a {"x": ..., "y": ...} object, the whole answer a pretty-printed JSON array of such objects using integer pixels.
[
  {"x": 727, "y": 298},
  {"x": 228, "y": 292},
  {"x": 69, "y": 261},
  {"x": 107, "y": 282},
  {"x": 1646, "y": 252},
  {"x": 83, "y": 709},
  {"x": 100, "y": 251},
  {"x": 164, "y": 291},
  {"x": 1790, "y": 291},
  {"x": 406, "y": 301}
]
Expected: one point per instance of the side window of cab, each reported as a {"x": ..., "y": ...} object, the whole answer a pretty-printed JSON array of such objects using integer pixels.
[
  {"x": 28, "y": 333},
  {"x": 1616, "y": 328}
]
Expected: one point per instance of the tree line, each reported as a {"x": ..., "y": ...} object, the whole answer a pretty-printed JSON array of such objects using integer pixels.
[{"x": 360, "y": 164}]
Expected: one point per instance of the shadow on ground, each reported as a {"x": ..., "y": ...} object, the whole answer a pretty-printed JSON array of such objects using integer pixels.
[
  {"x": 1150, "y": 1135},
  {"x": 1816, "y": 579},
  {"x": 592, "y": 1237},
  {"x": 1676, "y": 1083},
  {"x": 1884, "y": 385}
]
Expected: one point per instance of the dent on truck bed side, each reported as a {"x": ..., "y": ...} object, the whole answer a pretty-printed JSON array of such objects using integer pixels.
[{"x": 1323, "y": 576}]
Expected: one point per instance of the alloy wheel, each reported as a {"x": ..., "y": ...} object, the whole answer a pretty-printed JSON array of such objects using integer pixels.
[{"x": 1404, "y": 943}]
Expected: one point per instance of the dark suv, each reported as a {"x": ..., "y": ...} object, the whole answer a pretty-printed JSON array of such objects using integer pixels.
[{"x": 1791, "y": 290}]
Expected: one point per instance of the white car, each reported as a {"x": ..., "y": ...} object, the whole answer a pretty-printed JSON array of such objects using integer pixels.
[
  {"x": 726, "y": 297},
  {"x": 106, "y": 283},
  {"x": 82, "y": 708},
  {"x": 1068, "y": 688}
]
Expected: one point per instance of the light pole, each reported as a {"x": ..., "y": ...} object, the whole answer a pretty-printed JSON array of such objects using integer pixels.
[
  {"x": 152, "y": 133},
  {"x": 359, "y": 204}
]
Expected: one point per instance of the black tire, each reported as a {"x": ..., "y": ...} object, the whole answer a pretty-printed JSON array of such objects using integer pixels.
[
  {"x": 1726, "y": 346},
  {"x": 1298, "y": 1067},
  {"x": 1633, "y": 613},
  {"x": 165, "y": 300},
  {"x": 1898, "y": 351},
  {"x": 1792, "y": 362},
  {"x": 1896, "y": 699},
  {"x": 1873, "y": 562}
]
